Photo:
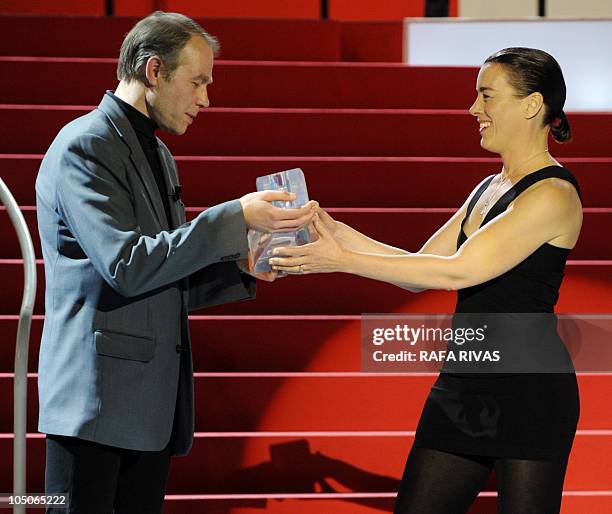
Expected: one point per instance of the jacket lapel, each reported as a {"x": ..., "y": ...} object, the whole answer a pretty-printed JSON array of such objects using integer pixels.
[
  {"x": 177, "y": 211},
  {"x": 177, "y": 208},
  {"x": 137, "y": 156}
]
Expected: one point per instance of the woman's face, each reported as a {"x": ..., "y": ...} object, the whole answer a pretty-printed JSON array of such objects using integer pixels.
[{"x": 498, "y": 109}]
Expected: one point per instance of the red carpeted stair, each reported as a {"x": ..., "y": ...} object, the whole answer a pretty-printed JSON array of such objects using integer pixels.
[
  {"x": 315, "y": 132},
  {"x": 285, "y": 420},
  {"x": 251, "y": 83}
]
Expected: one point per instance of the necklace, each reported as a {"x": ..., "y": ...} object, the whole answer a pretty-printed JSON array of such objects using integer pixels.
[{"x": 489, "y": 199}]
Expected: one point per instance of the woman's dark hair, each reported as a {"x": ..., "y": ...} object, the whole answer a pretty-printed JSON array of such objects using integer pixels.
[
  {"x": 535, "y": 71},
  {"x": 161, "y": 34}
]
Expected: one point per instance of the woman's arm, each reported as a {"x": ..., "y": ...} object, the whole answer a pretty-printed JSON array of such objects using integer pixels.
[
  {"x": 536, "y": 217},
  {"x": 354, "y": 241},
  {"x": 443, "y": 242}
]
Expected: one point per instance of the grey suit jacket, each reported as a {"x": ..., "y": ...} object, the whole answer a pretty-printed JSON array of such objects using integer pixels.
[{"x": 115, "y": 361}]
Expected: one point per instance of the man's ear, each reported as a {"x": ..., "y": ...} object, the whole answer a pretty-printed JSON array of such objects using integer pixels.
[
  {"x": 153, "y": 69},
  {"x": 532, "y": 105}
]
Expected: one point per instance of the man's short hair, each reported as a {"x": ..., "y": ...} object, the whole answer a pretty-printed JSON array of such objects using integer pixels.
[{"x": 160, "y": 34}]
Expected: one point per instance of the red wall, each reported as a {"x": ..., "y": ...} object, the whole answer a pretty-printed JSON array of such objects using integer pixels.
[
  {"x": 375, "y": 10},
  {"x": 89, "y": 7},
  {"x": 381, "y": 10},
  {"x": 221, "y": 8},
  {"x": 305, "y": 9},
  {"x": 134, "y": 7},
  {"x": 212, "y": 8}
]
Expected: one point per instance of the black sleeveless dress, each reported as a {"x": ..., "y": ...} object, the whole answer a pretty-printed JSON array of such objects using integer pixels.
[{"x": 508, "y": 415}]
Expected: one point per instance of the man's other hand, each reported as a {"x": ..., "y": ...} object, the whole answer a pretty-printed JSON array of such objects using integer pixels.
[{"x": 246, "y": 267}]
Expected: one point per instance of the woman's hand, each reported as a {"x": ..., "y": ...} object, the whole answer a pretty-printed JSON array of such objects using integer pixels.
[
  {"x": 323, "y": 256},
  {"x": 330, "y": 223}
]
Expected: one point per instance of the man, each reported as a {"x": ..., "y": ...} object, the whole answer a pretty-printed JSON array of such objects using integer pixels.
[{"x": 123, "y": 268}]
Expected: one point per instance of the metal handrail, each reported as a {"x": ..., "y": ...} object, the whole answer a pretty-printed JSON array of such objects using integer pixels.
[{"x": 20, "y": 391}]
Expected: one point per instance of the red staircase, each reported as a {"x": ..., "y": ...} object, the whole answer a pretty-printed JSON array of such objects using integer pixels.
[{"x": 285, "y": 421}]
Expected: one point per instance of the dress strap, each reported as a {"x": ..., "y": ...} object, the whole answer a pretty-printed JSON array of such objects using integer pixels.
[
  {"x": 477, "y": 195},
  {"x": 526, "y": 182}
]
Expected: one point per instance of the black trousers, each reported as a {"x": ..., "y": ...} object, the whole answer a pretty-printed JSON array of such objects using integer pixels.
[{"x": 103, "y": 479}]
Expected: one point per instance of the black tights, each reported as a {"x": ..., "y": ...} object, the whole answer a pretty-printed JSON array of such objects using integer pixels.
[{"x": 436, "y": 482}]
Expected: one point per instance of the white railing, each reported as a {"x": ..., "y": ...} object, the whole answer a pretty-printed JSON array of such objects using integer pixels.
[{"x": 21, "y": 349}]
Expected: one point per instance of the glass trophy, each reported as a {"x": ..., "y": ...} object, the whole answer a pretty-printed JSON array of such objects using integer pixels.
[{"x": 261, "y": 244}]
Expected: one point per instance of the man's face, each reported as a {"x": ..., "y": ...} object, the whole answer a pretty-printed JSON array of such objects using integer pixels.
[{"x": 173, "y": 104}]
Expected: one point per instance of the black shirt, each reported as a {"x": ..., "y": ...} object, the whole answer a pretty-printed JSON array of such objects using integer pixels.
[{"x": 145, "y": 129}]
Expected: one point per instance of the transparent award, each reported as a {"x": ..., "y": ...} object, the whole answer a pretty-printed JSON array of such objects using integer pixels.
[{"x": 262, "y": 244}]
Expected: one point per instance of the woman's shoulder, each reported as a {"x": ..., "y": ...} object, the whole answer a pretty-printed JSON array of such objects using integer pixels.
[
  {"x": 556, "y": 190},
  {"x": 557, "y": 179}
]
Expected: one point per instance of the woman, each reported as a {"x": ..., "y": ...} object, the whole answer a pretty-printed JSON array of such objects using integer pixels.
[{"x": 504, "y": 251}]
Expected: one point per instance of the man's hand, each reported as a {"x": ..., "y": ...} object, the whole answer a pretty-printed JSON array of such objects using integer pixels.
[
  {"x": 261, "y": 215},
  {"x": 245, "y": 267}
]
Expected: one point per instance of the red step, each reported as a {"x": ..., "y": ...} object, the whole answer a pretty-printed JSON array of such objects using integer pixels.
[
  {"x": 385, "y": 225},
  {"x": 255, "y": 84},
  {"x": 586, "y": 288},
  {"x": 251, "y": 39},
  {"x": 327, "y": 345},
  {"x": 235, "y": 343},
  {"x": 288, "y": 504},
  {"x": 351, "y": 503},
  {"x": 244, "y": 464},
  {"x": 316, "y": 132},
  {"x": 277, "y": 132},
  {"x": 403, "y": 181},
  {"x": 573, "y": 503},
  {"x": 305, "y": 402}
]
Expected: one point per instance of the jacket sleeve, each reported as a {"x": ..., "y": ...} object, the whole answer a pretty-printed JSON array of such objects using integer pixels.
[
  {"x": 97, "y": 205},
  {"x": 219, "y": 283}
]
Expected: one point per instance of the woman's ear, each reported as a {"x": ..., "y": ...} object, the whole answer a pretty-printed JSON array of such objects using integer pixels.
[{"x": 532, "y": 105}]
